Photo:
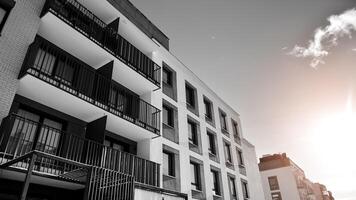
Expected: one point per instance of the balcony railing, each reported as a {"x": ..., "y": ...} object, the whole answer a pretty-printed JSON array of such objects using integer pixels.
[
  {"x": 19, "y": 136},
  {"x": 55, "y": 66},
  {"x": 81, "y": 19}
]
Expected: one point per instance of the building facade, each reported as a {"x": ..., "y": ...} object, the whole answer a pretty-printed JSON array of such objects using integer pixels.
[
  {"x": 283, "y": 179},
  {"x": 94, "y": 106}
]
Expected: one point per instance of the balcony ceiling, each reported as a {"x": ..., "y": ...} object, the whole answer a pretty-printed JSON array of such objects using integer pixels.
[
  {"x": 51, "y": 96},
  {"x": 66, "y": 37}
]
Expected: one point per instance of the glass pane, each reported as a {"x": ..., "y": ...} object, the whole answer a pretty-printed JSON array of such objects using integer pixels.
[
  {"x": 23, "y": 133},
  {"x": 48, "y": 139},
  {"x": 165, "y": 164}
]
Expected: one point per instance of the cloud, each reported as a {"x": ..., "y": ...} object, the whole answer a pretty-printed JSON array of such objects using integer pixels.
[{"x": 327, "y": 37}]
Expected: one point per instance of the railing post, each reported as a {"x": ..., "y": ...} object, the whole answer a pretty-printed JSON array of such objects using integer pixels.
[{"x": 28, "y": 177}]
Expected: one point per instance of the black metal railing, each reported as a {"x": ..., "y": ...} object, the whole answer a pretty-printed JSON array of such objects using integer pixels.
[
  {"x": 80, "y": 18},
  {"x": 55, "y": 66},
  {"x": 19, "y": 136}
]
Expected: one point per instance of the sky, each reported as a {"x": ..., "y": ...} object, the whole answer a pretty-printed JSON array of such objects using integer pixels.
[{"x": 240, "y": 49}]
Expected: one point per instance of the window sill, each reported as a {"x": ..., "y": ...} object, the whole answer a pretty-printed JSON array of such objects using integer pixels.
[
  {"x": 168, "y": 126},
  {"x": 169, "y": 177},
  {"x": 226, "y": 132},
  {"x": 217, "y": 196}
]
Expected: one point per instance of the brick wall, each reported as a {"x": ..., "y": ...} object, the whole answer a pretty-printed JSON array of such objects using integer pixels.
[{"x": 17, "y": 34}]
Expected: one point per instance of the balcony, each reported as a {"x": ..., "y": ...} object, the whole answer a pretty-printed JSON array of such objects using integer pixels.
[
  {"x": 70, "y": 25},
  {"x": 54, "y": 78},
  {"x": 20, "y": 136}
]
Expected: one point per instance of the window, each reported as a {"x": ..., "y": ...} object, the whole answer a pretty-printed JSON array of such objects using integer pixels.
[
  {"x": 195, "y": 176},
  {"x": 276, "y": 196},
  {"x": 235, "y": 126},
  {"x": 190, "y": 95},
  {"x": 192, "y": 132},
  {"x": 232, "y": 187},
  {"x": 227, "y": 152},
  {"x": 216, "y": 185},
  {"x": 273, "y": 183},
  {"x": 168, "y": 163},
  {"x": 211, "y": 140},
  {"x": 5, "y": 8},
  {"x": 208, "y": 109},
  {"x": 240, "y": 158},
  {"x": 167, "y": 77},
  {"x": 245, "y": 189},
  {"x": 109, "y": 142},
  {"x": 223, "y": 120},
  {"x": 168, "y": 116}
]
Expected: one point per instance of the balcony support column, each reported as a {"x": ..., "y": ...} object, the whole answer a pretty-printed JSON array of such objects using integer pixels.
[{"x": 28, "y": 177}]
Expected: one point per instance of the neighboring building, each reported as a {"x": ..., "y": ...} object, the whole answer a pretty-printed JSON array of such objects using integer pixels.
[
  {"x": 282, "y": 179},
  {"x": 94, "y": 106}
]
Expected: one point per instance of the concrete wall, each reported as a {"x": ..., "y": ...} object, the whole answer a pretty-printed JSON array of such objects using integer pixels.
[
  {"x": 253, "y": 174},
  {"x": 286, "y": 180}
]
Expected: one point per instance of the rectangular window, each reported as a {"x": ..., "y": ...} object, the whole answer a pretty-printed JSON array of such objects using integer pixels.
[
  {"x": 190, "y": 95},
  {"x": 232, "y": 187},
  {"x": 236, "y": 130},
  {"x": 216, "y": 185},
  {"x": 5, "y": 8},
  {"x": 195, "y": 176},
  {"x": 168, "y": 163},
  {"x": 240, "y": 157},
  {"x": 276, "y": 196},
  {"x": 167, "y": 77},
  {"x": 211, "y": 140},
  {"x": 192, "y": 132},
  {"x": 168, "y": 116},
  {"x": 223, "y": 121},
  {"x": 208, "y": 109},
  {"x": 227, "y": 152},
  {"x": 245, "y": 189},
  {"x": 273, "y": 183}
]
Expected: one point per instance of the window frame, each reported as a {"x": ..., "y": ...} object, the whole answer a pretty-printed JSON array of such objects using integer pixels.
[
  {"x": 208, "y": 109},
  {"x": 190, "y": 95},
  {"x": 245, "y": 190},
  {"x": 240, "y": 158},
  {"x": 212, "y": 143},
  {"x": 193, "y": 130},
  {"x": 7, "y": 6},
  {"x": 235, "y": 127},
  {"x": 169, "y": 75},
  {"x": 170, "y": 115},
  {"x": 170, "y": 164},
  {"x": 272, "y": 186},
  {"x": 227, "y": 151},
  {"x": 196, "y": 185},
  {"x": 232, "y": 187},
  {"x": 216, "y": 182}
]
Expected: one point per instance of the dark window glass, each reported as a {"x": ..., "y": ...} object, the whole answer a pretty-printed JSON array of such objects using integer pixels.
[
  {"x": 245, "y": 190},
  {"x": 208, "y": 109},
  {"x": 115, "y": 145},
  {"x": 232, "y": 187},
  {"x": 236, "y": 130},
  {"x": 192, "y": 132},
  {"x": 195, "y": 176},
  {"x": 168, "y": 118},
  {"x": 190, "y": 95},
  {"x": 273, "y": 183},
  {"x": 211, "y": 140},
  {"x": 223, "y": 121},
  {"x": 216, "y": 186},
  {"x": 168, "y": 163},
  {"x": 167, "y": 77},
  {"x": 227, "y": 152},
  {"x": 240, "y": 157}
]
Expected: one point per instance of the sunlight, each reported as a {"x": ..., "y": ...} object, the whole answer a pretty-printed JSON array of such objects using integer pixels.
[{"x": 333, "y": 141}]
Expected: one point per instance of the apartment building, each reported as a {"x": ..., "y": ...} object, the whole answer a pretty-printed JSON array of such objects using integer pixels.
[
  {"x": 94, "y": 106},
  {"x": 283, "y": 179}
]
